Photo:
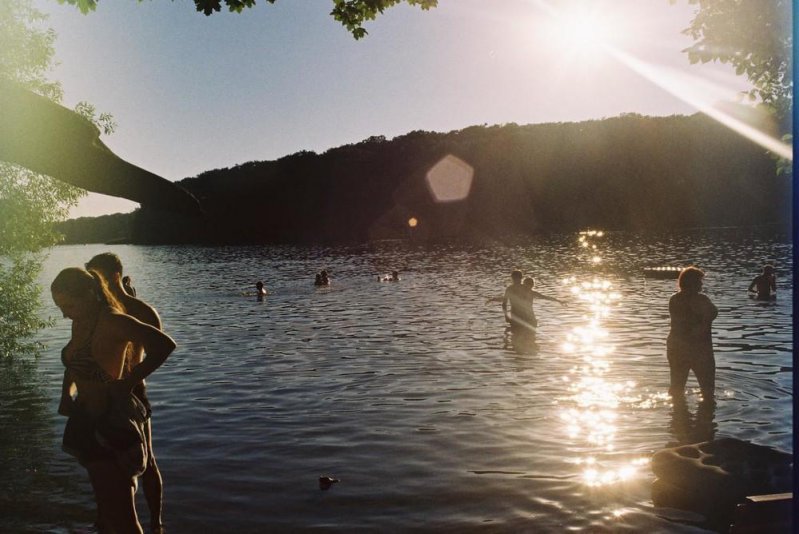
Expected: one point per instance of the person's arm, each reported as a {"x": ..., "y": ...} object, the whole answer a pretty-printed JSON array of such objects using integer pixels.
[
  {"x": 156, "y": 344},
  {"x": 710, "y": 311},
  {"x": 541, "y": 296},
  {"x": 752, "y": 286}
]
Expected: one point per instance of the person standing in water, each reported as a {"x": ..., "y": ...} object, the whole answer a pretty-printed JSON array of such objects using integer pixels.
[
  {"x": 529, "y": 283},
  {"x": 689, "y": 345},
  {"x": 764, "y": 284},
  {"x": 95, "y": 361},
  {"x": 518, "y": 309},
  {"x": 109, "y": 266}
]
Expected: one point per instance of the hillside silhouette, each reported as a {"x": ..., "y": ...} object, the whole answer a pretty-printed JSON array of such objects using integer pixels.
[{"x": 630, "y": 172}]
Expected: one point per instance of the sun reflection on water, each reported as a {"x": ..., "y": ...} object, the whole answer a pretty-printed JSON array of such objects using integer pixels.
[{"x": 590, "y": 410}]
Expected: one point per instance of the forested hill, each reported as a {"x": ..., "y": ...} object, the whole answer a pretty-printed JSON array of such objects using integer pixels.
[{"x": 630, "y": 172}]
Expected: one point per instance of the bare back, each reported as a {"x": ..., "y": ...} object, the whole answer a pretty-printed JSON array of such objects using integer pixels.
[{"x": 145, "y": 313}]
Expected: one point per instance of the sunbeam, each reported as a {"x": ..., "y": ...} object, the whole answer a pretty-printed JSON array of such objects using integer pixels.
[{"x": 587, "y": 30}]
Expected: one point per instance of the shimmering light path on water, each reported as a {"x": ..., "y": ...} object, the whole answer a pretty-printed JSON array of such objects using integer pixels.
[{"x": 404, "y": 392}]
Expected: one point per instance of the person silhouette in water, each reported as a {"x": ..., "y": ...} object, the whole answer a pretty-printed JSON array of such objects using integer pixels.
[
  {"x": 517, "y": 305},
  {"x": 322, "y": 279},
  {"x": 128, "y": 287},
  {"x": 109, "y": 267},
  {"x": 689, "y": 345},
  {"x": 765, "y": 284},
  {"x": 529, "y": 283},
  {"x": 260, "y": 290},
  {"x": 97, "y": 364}
]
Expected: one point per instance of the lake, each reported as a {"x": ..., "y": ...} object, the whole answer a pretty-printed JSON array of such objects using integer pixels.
[{"x": 404, "y": 391}]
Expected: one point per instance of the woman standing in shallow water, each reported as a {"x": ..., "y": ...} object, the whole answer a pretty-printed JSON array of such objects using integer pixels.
[
  {"x": 95, "y": 362},
  {"x": 689, "y": 346}
]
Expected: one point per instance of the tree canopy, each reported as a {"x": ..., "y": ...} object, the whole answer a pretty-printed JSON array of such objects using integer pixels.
[
  {"x": 352, "y": 14},
  {"x": 753, "y": 36},
  {"x": 30, "y": 203}
]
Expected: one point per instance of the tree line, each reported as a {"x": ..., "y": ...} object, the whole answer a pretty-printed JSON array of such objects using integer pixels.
[{"x": 630, "y": 172}]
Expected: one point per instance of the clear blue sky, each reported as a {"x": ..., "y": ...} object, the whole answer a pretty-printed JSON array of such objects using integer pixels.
[{"x": 192, "y": 93}]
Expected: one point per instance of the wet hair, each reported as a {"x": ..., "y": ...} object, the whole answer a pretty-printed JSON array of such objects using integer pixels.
[
  {"x": 690, "y": 278},
  {"x": 79, "y": 283},
  {"x": 259, "y": 284},
  {"x": 516, "y": 274},
  {"x": 107, "y": 264},
  {"x": 529, "y": 281},
  {"x": 768, "y": 269}
]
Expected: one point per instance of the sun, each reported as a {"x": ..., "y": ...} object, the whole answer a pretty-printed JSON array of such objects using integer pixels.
[{"x": 584, "y": 30}]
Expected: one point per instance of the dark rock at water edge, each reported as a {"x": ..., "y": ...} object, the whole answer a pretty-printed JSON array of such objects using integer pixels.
[{"x": 713, "y": 477}]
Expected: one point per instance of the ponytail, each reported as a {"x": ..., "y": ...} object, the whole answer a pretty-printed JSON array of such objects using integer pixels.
[{"x": 104, "y": 294}]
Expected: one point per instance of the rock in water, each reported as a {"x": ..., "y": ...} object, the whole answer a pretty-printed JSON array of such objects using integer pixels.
[{"x": 712, "y": 477}]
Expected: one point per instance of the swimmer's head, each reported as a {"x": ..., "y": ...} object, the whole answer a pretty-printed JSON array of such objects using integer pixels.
[
  {"x": 107, "y": 264},
  {"x": 529, "y": 281},
  {"x": 516, "y": 275},
  {"x": 690, "y": 279},
  {"x": 259, "y": 285},
  {"x": 768, "y": 269}
]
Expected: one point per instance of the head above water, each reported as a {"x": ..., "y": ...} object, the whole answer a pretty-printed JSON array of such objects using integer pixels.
[
  {"x": 529, "y": 281},
  {"x": 259, "y": 285},
  {"x": 516, "y": 276},
  {"x": 107, "y": 264},
  {"x": 768, "y": 269},
  {"x": 690, "y": 279}
]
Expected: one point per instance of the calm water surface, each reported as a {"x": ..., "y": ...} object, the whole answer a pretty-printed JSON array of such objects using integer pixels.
[{"x": 404, "y": 391}]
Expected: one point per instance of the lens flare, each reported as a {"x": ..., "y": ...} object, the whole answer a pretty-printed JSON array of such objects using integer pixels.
[{"x": 450, "y": 179}]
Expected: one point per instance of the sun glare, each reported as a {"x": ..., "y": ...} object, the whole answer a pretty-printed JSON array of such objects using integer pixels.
[
  {"x": 586, "y": 32},
  {"x": 581, "y": 30}
]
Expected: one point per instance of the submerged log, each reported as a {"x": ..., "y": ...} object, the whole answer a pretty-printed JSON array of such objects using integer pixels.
[{"x": 44, "y": 137}]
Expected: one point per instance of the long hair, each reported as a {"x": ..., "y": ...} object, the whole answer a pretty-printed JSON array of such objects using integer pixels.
[{"x": 78, "y": 282}]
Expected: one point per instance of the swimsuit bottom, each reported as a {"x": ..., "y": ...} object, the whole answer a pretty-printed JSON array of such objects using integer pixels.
[
  {"x": 80, "y": 439},
  {"x": 118, "y": 435}
]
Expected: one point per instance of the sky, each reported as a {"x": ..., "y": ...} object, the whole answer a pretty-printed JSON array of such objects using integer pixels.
[{"x": 191, "y": 93}]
